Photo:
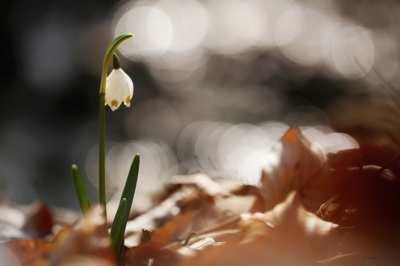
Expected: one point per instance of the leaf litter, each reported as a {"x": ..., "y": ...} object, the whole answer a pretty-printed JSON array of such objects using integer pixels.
[{"x": 310, "y": 208}]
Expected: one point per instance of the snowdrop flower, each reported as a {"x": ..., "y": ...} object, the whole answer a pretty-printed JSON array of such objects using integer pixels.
[{"x": 119, "y": 88}]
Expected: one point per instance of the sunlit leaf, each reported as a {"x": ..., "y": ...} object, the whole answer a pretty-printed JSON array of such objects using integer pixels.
[
  {"x": 89, "y": 237},
  {"x": 25, "y": 252},
  {"x": 291, "y": 163},
  {"x": 80, "y": 189},
  {"x": 118, "y": 228},
  {"x": 285, "y": 235}
]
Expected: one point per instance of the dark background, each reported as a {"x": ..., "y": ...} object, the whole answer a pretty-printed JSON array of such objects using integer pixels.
[{"x": 51, "y": 63}]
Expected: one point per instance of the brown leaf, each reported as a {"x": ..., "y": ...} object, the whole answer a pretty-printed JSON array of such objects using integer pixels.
[
  {"x": 149, "y": 255},
  {"x": 39, "y": 220},
  {"x": 286, "y": 235},
  {"x": 292, "y": 162},
  {"x": 172, "y": 230},
  {"x": 155, "y": 217},
  {"x": 197, "y": 204},
  {"x": 25, "y": 252},
  {"x": 201, "y": 181},
  {"x": 89, "y": 237}
]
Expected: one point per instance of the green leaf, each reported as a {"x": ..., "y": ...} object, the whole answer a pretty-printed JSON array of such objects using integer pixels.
[
  {"x": 122, "y": 215},
  {"x": 131, "y": 181},
  {"x": 80, "y": 189},
  {"x": 118, "y": 228}
]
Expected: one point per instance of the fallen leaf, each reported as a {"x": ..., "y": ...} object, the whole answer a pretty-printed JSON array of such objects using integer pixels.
[
  {"x": 89, "y": 237},
  {"x": 291, "y": 163},
  {"x": 39, "y": 220},
  {"x": 286, "y": 235},
  {"x": 149, "y": 255},
  {"x": 197, "y": 204},
  {"x": 25, "y": 252},
  {"x": 173, "y": 230}
]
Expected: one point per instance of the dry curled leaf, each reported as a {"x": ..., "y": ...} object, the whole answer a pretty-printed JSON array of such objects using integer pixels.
[
  {"x": 291, "y": 163},
  {"x": 197, "y": 204},
  {"x": 286, "y": 235}
]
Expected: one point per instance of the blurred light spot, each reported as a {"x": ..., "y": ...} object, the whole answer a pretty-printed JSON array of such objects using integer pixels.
[
  {"x": 179, "y": 72},
  {"x": 239, "y": 144},
  {"x": 193, "y": 141},
  {"x": 225, "y": 150},
  {"x": 189, "y": 21},
  {"x": 174, "y": 56},
  {"x": 386, "y": 59},
  {"x": 181, "y": 63},
  {"x": 157, "y": 164},
  {"x": 273, "y": 129},
  {"x": 269, "y": 13},
  {"x": 234, "y": 26},
  {"x": 152, "y": 28},
  {"x": 289, "y": 25},
  {"x": 328, "y": 140},
  {"x": 91, "y": 164},
  {"x": 352, "y": 52},
  {"x": 305, "y": 45}
]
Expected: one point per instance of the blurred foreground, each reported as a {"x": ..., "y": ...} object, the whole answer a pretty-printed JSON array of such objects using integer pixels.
[{"x": 311, "y": 208}]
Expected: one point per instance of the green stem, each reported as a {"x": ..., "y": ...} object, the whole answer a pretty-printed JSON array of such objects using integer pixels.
[
  {"x": 102, "y": 154},
  {"x": 102, "y": 119}
]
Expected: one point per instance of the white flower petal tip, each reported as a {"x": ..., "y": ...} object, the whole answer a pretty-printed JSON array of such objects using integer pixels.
[{"x": 119, "y": 88}]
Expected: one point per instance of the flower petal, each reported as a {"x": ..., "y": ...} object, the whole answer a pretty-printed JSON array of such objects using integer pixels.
[
  {"x": 128, "y": 92},
  {"x": 114, "y": 89}
]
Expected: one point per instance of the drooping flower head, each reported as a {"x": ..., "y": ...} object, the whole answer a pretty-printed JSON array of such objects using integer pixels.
[{"x": 119, "y": 88}]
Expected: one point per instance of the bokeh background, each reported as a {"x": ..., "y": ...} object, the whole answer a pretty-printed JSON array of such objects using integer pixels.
[{"x": 217, "y": 82}]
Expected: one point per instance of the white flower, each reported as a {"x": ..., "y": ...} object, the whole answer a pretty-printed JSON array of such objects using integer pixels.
[{"x": 119, "y": 88}]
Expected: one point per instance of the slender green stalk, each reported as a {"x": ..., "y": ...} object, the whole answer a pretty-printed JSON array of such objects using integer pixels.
[
  {"x": 80, "y": 189},
  {"x": 102, "y": 119},
  {"x": 102, "y": 154},
  {"x": 107, "y": 58}
]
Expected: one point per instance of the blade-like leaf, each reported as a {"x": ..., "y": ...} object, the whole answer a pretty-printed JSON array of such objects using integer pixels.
[
  {"x": 80, "y": 189},
  {"x": 118, "y": 228},
  {"x": 131, "y": 181},
  {"x": 121, "y": 217}
]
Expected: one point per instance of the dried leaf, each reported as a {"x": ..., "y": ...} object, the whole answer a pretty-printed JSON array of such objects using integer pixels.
[
  {"x": 25, "y": 252},
  {"x": 292, "y": 162},
  {"x": 39, "y": 220},
  {"x": 202, "y": 203},
  {"x": 201, "y": 181},
  {"x": 172, "y": 230},
  {"x": 149, "y": 255},
  {"x": 286, "y": 235},
  {"x": 88, "y": 238},
  {"x": 157, "y": 216}
]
